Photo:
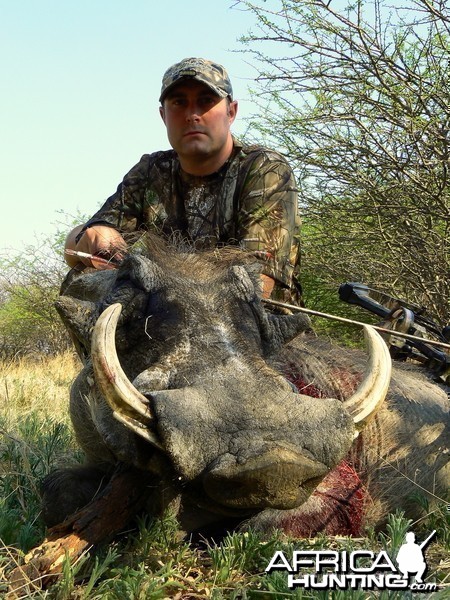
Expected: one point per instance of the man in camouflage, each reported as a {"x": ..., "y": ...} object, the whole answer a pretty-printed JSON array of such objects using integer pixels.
[{"x": 210, "y": 189}]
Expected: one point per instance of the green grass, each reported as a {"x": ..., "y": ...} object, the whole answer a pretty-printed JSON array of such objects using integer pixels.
[{"x": 150, "y": 561}]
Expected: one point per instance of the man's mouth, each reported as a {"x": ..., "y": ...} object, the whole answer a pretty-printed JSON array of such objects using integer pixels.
[{"x": 193, "y": 133}]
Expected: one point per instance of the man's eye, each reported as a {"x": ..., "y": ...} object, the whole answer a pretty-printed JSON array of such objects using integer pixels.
[
  {"x": 207, "y": 100},
  {"x": 177, "y": 101}
]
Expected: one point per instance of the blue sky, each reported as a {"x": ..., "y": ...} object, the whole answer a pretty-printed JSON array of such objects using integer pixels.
[{"x": 79, "y": 92}]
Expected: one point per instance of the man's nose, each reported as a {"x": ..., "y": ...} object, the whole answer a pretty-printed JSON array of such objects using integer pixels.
[{"x": 193, "y": 113}]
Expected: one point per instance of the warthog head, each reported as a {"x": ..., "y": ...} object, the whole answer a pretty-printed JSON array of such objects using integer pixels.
[{"x": 181, "y": 348}]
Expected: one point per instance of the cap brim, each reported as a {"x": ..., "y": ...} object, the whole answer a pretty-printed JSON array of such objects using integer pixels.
[{"x": 218, "y": 91}]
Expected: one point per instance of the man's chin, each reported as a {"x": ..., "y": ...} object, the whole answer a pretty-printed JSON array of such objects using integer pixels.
[{"x": 194, "y": 148}]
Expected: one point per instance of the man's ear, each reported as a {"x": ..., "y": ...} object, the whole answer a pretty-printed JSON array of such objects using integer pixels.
[
  {"x": 232, "y": 110},
  {"x": 162, "y": 113}
]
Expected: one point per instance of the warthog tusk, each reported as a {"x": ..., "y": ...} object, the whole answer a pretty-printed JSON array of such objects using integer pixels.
[
  {"x": 138, "y": 428},
  {"x": 373, "y": 389},
  {"x": 128, "y": 404}
]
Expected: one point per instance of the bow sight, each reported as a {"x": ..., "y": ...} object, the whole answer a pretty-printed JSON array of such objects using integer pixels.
[{"x": 403, "y": 317}]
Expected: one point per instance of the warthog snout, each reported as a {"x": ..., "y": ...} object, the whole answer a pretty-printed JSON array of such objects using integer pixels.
[{"x": 277, "y": 478}]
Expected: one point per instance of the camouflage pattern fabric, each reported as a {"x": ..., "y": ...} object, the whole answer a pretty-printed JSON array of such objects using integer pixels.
[
  {"x": 251, "y": 202},
  {"x": 210, "y": 73}
]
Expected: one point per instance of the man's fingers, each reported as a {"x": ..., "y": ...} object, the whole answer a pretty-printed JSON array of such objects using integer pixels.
[{"x": 106, "y": 245}]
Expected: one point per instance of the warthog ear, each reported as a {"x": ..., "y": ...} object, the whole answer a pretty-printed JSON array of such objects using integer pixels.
[
  {"x": 244, "y": 282},
  {"x": 142, "y": 272},
  {"x": 79, "y": 317},
  {"x": 285, "y": 328},
  {"x": 275, "y": 330}
]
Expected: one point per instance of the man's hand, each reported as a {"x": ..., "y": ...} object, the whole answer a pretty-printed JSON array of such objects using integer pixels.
[
  {"x": 267, "y": 286},
  {"x": 101, "y": 240}
]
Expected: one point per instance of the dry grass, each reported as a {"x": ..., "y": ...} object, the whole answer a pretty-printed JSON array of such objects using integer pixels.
[
  {"x": 38, "y": 386},
  {"x": 35, "y": 436}
]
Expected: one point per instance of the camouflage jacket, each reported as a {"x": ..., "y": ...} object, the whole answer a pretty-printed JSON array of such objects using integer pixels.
[{"x": 250, "y": 202}]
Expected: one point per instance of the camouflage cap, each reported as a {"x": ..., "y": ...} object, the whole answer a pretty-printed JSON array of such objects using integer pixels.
[{"x": 210, "y": 73}]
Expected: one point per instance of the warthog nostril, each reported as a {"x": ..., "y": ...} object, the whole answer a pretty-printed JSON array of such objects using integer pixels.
[{"x": 278, "y": 478}]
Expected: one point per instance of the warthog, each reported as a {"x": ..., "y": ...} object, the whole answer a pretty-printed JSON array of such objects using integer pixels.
[{"x": 232, "y": 413}]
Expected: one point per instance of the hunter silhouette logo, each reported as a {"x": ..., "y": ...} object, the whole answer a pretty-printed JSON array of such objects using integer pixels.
[
  {"x": 410, "y": 557},
  {"x": 360, "y": 569}
]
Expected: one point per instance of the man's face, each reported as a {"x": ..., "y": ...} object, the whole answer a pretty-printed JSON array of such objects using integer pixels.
[{"x": 197, "y": 121}]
